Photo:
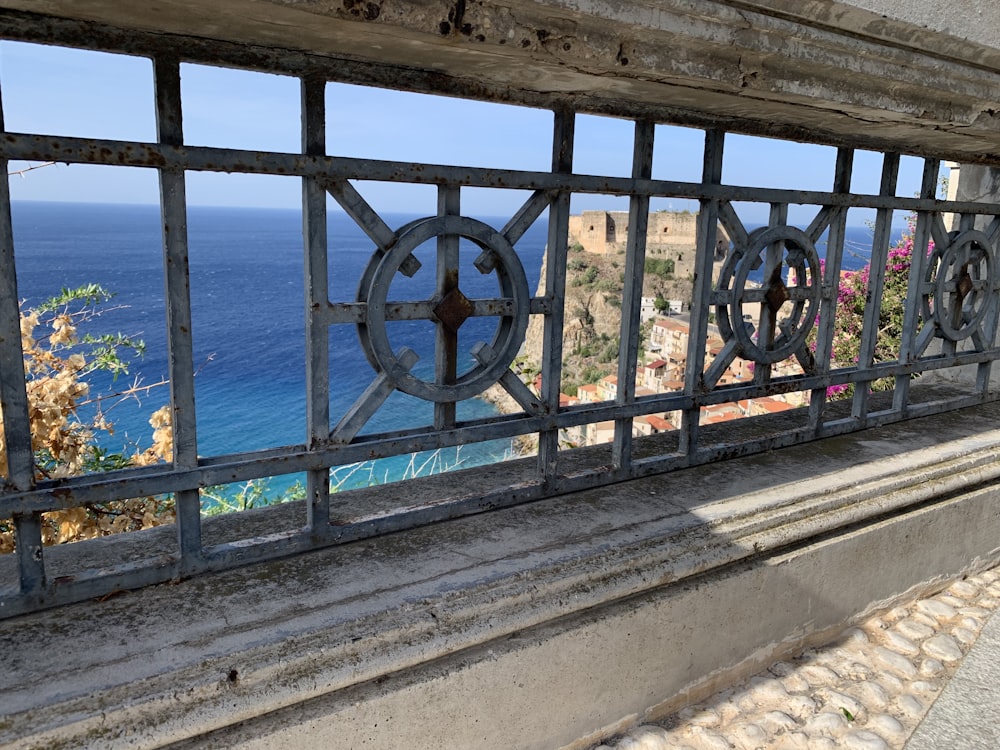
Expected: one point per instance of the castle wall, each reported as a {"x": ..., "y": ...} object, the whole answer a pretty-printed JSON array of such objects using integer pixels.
[{"x": 670, "y": 235}]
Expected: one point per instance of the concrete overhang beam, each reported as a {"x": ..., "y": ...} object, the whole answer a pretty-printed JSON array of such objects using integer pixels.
[{"x": 846, "y": 73}]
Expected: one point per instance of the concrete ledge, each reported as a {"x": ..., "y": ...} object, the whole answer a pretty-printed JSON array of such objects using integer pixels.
[
  {"x": 531, "y": 627},
  {"x": 832, "y": 72}
]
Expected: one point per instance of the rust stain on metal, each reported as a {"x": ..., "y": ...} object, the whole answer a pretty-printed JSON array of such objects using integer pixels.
[
  {"x": 965, "y": 284},
  {"x": 777, "y": 295},
  {"x": 454, "y": 310}
]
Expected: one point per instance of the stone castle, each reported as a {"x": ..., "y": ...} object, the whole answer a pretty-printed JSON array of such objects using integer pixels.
[{"x": 670, "y": 235}]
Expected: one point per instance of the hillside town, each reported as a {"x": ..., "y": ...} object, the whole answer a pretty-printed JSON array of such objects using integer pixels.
[
  {"x": 666, "y": 328},
  {"x": 662, "y": 371}
]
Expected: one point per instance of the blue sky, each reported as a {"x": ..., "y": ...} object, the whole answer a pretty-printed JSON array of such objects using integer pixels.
[{"x": 87, "y": 94}]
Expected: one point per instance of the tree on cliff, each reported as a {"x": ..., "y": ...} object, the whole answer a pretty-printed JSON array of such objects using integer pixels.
[
  {"x": 57, "y": 363},
  {"x": 852, "y": 299}
]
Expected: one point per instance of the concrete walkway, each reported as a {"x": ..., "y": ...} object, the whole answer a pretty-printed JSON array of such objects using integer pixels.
[{"x": 923, "y": 676}]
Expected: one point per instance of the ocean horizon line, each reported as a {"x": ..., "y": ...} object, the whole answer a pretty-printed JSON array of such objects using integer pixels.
[{"x": 895, "y": 226}]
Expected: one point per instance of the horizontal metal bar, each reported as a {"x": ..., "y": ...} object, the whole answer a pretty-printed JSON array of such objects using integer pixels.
[
  {"x": 356, "y": 312},
  {"x": 201, "y": 158},
  {"x": 88, "y": 584},
  {"x": 156, "y": 480},
  {"x": 163, "y": 479}
]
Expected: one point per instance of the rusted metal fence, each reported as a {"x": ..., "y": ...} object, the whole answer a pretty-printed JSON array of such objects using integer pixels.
[{"x": 950, "y": 320}]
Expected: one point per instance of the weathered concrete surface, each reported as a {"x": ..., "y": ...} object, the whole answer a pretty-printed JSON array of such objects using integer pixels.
[
  {"x": 531, "y": 627},
  {"x": 910, "y": 76},
  {"x": 969, "y": 19},
  {"x": 966, "y": 716}
]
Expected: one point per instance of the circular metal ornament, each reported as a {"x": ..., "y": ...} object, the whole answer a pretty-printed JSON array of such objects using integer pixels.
[
  {"x": 724, "y": 285},
  {"x": 798, "y": 254},
  {"x": 365, "y": 284},
  {"x": 510, "y": 330},
  {"x": 958, "y": 283}
]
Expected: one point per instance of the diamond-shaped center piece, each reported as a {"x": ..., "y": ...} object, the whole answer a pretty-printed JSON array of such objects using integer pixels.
[
  {"x": 454, "y": 310},
  {"x": 777, "y": 295}
]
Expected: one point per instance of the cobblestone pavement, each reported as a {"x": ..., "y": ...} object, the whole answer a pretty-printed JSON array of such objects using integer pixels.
[{"x": 867, "y": 691}]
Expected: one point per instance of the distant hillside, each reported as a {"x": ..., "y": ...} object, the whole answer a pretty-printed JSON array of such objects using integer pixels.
[{"x": 594, "y": 290}]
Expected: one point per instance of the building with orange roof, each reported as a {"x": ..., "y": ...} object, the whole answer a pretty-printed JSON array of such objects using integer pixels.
[
  {"x": 659, "y": 424},
  {"x": 668, "y": 386},
  {"x": 641, "y": 427},
  {"x": 769, "y": 405},
  {"x": 669, "y": 337},
  {"x": 565, "y": 400},
  {"x": 719, "y": 413},
  {"x": 608, "y": 387},
  {"x": 653, "y": 373}
]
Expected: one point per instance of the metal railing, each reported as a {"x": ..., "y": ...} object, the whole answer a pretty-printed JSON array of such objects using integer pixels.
[{"x": 950, "y": 320}]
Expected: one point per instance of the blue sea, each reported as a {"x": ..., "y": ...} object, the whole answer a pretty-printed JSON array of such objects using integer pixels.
[{"x": 248, "y": 307}]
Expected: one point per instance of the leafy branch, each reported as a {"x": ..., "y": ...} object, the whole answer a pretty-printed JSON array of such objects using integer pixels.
[{"x": 57, "y": 361}]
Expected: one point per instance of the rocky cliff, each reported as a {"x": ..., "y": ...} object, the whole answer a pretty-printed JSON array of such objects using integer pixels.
[{"x": 594, "y": 289}]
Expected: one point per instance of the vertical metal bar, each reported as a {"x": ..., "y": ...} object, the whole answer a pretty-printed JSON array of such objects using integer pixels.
[
  {"x": 918, "y": 262},
  {"x": 989, "y": 325},
  {"x": 180, "y": 348},
  {"x": 831, "y": 283},
  {"x": 635, "y": 261},
  {"x": 446, "y": 349},
  {"x": 983, "y": 369},
  {"x": 876, "y": 278},
  {"x": 314, "y": 235},
  {"x": 14, "y": 401},
  {"x": 708, "y": 220},
  {"x": 13, "y": 391},
  {"x": 767, "y": 321},
  {"x": 555, "y": 287}
]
